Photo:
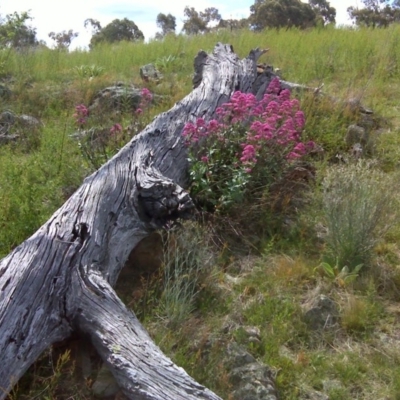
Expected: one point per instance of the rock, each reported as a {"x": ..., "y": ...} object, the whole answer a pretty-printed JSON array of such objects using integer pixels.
[
  {"x": 321, "y": 313},
  {"x": 287, "y": 353},
  {"x": 356, "y": 151},
  {"x": 331, "y": 384},
  {"x": 5, "y": 92},
  {"x": 95, "y": 138},
  {"x": 7, "y": 117},
  {"x": 14, "y": 127},
  {"x": 354, "y": 106},
  {"x": 150, "y": 73},
  {"x": 117, "y": 97},
  {"x": 252, "y": 331},
  {"x": 105, "y": 384},
  {"x": 250, "y": 334},
  {"x": 369, "y": 122},
  {"x": 314, "y": 395},
  {"x": 233, "y": 280},
  {"x": 238, "y": 356},
  {"x": 5, "y": 138},
  {"x": 356, "y": 134},
  {"x": 250, "y": 379},
  {"x": 254, "y": 392},
  {"x": 28, "y": 121}
]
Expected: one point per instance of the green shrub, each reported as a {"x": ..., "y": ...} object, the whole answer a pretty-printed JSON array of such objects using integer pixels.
[{"x": 359, "y": 206}]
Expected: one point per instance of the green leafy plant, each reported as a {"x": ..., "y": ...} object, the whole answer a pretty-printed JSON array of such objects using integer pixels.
[
  {"x": 170, "y": 62},
  {"x": 88, "y": 71},
  {"x": 342, "y": 276}
]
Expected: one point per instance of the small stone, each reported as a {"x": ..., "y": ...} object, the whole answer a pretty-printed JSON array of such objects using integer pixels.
[{"x": 252, "y": 332}]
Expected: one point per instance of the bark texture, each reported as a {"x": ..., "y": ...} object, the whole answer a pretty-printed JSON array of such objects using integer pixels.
[{"x": 61, "y": 279}]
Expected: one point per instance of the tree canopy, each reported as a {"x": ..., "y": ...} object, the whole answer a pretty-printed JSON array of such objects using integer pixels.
[
  {"x": 63, "y": 39},
  {"x": 376, "y": 13},
  {"x": 115, "y": 31},
  {"x": 290, "y": 13},
  {"x": 233, "y": 24},
  {"x": 167, "y": 24},
  {"x": 325, "y": 13},
  {"x": 16, "y": 32},
  {"x": 198, "y": 22}
]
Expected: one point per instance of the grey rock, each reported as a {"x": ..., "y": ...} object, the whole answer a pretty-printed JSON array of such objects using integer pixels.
[
  {"x": 5, "y": 92},
  {"x": 117, "y": 97},
  {"x": 7, "y": 117},
  {"x": 96, "y": 138},
  {"x": 238, "y": 356},
  {"x": 5, "y": 138},
  {"x": 356, "y": 151},
  {"x": 252, "y": 392},
  {"x": 248, "y": 334},
  {"x": 250, "y": 379},
  {"x": 28, "y": 121},
  {"x": 356, "y": 134},
  {"x": 331, "y": 384},
  {"x": 252, "y": 332},
  {"x": 233, "y": 280},
  {"x": 314, "y": 395},
  {"x": 322, "y": 313},
  {"x": 354, "y": 105},
  {"x": 12, "y": 126},
  {"x": 287, "y": 353},
  {"x": 149, "y": 72},
  {"x": 369, "y": 122}
]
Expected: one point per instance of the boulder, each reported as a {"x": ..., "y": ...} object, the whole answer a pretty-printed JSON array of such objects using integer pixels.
[
  {"x": 321, "y": 313},
  {"x": 250, "y": 379},
  {"x": 117, "y": 97},
  {"x": 149, "y": 72}
]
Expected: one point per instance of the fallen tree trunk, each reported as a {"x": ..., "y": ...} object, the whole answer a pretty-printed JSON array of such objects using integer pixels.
[{"x": 61, "y": 279}]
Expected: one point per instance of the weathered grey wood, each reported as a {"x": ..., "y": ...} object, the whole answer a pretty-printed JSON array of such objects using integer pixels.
[{"x": 61, "y": 278}]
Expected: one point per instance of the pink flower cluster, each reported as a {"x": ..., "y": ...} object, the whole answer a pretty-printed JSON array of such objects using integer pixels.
[
  {"x": 275, "y": 120},
  {"x": 81, "y": 114},
  {"x": 116, "y": 128},
  {"x": 146, "y": 98},
  {"x": 194, "y": 132},
  {"x": 238, "y": 108}
]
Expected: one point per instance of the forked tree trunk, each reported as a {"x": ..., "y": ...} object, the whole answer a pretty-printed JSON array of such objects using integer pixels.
[{"x": 61, "y": 279}]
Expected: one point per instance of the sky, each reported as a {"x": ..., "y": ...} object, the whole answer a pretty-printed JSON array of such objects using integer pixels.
[{"x": 55, "y": 15}]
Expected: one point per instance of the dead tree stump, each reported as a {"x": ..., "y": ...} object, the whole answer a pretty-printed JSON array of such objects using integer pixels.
[{"x": 61, "y": 279}]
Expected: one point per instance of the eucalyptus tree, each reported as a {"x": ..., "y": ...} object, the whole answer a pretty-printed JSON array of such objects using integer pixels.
[{"x": 376, "y": 13}]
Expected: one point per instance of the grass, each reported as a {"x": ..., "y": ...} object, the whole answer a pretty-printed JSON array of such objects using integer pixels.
[
  {"x": 359, "y": 205},
  {"x": 264, "y": 286}
]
